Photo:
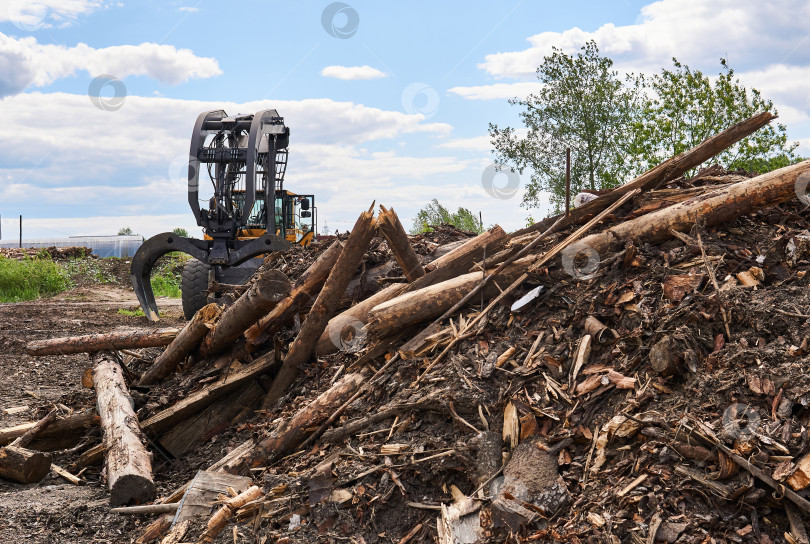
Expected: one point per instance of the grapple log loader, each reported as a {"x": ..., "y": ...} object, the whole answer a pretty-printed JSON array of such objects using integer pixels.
[{"x": 249, "y": 215}]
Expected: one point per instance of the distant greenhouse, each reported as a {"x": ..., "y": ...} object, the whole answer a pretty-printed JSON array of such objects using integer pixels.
[{"x": 102, "y": 246}]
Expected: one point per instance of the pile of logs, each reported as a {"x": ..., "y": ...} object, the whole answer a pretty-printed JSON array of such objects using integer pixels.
[{"x": 404, "y": 320}]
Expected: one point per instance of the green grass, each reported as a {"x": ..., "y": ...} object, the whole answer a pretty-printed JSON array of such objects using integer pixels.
[
  {"x": 87, "y": 267},
  {"x": 29, "y": 279},
  {"x": 167, "y": 274},
  {"x": 131, "y": 313}
]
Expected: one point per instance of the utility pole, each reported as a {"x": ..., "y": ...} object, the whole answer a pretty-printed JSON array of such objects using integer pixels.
[
  {"x": 567, "y": 180},
  {"x": 20, "y": 230}
]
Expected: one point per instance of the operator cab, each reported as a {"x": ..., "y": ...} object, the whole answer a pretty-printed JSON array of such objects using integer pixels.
[{"x": 296, "y": 217}]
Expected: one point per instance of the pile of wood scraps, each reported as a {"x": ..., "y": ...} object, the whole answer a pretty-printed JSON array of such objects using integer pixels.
[{"x": 635, "y": 371}]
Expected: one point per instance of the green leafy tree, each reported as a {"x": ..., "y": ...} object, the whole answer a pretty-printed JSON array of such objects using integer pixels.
[
  {"x": 435, "y": 214},
  {"x": 582, "y": 105},
  {"x": 617, "y": 130},
  {"x": 180, "y": 231},
  {"x": 686, "y": 107},
  {"x": 125, "y": 231}
]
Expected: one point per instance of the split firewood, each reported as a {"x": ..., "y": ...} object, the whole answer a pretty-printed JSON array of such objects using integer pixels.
[
  {"x": 110, "y": 341},
  {"x": 303, "y": 294},
  {"x": 226, "y": 512},
  {"x": 187, "y": 341},
  {"x": 129, "y": 464},
  {"x": 265, "y": 292},
  {"x": 664, "y": 172},
  {"x": 324, "y": 307}
]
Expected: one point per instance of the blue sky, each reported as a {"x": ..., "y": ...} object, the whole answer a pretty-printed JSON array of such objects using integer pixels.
[{"x": 396, "y": 110}]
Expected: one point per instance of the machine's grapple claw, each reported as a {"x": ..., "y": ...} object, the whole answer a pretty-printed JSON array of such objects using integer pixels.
[
  {"x": 149, "y": 252},
  {"x": 161, "y": 244}
]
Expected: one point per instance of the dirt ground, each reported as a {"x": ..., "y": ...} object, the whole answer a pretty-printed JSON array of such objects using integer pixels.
[{"x": 54, "y": 511}]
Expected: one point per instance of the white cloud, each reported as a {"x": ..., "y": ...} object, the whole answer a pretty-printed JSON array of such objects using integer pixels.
[
  {"x": 788, "y": 85},
  {"x": 352, "y": 72},
  {"x": 189, "y": 9},
  {"x": 35, "y": 14},
  {"x": 520, "y": 89},
  {"x": 698, "y": 32},
  {"x": 129, "y": 162},
  {"x": 24, "y": 63},
  {"x": 476, "y": 143}
]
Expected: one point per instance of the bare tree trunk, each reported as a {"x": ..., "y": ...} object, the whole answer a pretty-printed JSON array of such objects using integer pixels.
[
  {"x": 431, "y": 302},
  {"x": 664, "y": 172},
  {"x": 22, "y": 465},
  {"x": 262, "y": 296},
  {"x": 287, "y": 437},
  {"x": 719, "y": 206},
  {"x": 129, "y": 464},
  {"x": 389, "y": 225},
  {"x": 324, "y": 307},
  {"x": 355, "y": 318},
  {"x": 303, "y": 294},
  {"x": 187, "y": 341},
  {"x": 102, "y": 342}
]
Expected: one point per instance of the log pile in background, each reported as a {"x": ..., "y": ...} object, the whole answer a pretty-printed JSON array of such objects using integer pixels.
[{"x": 424, "y": 345}]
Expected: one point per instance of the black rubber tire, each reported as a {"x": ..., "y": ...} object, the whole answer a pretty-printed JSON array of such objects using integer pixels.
[{"x": 194, "y": 286}]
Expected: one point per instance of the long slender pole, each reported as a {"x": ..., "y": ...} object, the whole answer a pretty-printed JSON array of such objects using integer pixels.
[
  {"x": 20, "y": 230},
  {"x": 567, "y": 180}
]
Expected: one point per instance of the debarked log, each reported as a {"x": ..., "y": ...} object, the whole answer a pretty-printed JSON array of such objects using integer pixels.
[
  {"x": 187, "y": 341},
  {"x": 389, "y": 225},
  {"x": 263, "y": 295},
  {"x": 432, "y": 301},
  {"x": 719, "y": 206},
  {"x": 302, "y": 295},
  {"x": 129, "y": 464},
  {"x": 102, "y": 342}
]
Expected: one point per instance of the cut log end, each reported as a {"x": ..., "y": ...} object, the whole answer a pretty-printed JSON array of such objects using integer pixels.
[
  {"x": 22, "y": 465},
  {"x": 132, "y": 489}
]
